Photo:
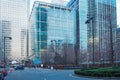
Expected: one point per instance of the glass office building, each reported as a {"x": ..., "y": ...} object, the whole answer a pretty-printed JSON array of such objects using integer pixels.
[
  {"x": 5, "y": 30},
  {"x": 101, "y": 29},
  {"x": 14, "y": 14},
  {"x": 95, "y": 24},
  {"x": 81, "y": 8},
  {"x": 117, "y": 48},
  {"x": 52, "y": 33}
]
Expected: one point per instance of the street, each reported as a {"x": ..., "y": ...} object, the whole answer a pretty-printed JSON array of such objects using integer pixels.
[{"x": 43, "y": 74}]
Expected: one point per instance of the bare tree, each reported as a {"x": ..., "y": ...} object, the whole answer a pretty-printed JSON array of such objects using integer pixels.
[{"x": 111, "y": 37}]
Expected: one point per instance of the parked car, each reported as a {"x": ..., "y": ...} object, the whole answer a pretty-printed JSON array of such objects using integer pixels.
[
  {"x": 19, "y": 67},
  {"x": 12, "y": 66}
]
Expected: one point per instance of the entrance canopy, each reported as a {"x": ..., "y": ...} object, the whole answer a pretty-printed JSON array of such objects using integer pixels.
[{"x": 37, "y": 61}]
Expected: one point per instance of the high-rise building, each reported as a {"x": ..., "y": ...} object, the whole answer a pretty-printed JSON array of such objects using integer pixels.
[
  {"x": 15, "y": 13},
  {"x": 52, "y": 33},
  {"x": 117, "y": 46},
  {"x": 23, "y": 43},
  {"x": 95, "y": 28},
  {"x": 102, "y": 23},
  {"x": 5, "y": 31},
  {"x": 81, "y": 8}
]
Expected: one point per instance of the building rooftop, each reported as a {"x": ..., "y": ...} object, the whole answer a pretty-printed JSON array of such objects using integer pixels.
[
  {"x": 51, "y": 5},
  {"x": 44, "y": 4}
]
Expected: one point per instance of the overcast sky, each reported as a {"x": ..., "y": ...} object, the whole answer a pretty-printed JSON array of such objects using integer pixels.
[{"x": 118, "y": 7}]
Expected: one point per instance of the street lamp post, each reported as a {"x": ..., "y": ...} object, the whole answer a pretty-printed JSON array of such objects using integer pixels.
[
  {"x": 55, "y": 44},
  {"x": 4, "y": 50},
  {"x": 54, "y": 48},
  {"x": 87, "y": 22}
]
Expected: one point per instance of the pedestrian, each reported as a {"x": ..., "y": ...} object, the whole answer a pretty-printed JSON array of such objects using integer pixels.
[{"x": 51, "y": 67}]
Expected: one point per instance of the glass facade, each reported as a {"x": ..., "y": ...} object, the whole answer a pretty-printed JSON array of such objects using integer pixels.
[
  {"x": 101, "y": 29},
  {"x": 80, "y": 7},
  {"x": 15, "y": 13},
  {"x": 117, "y": 47},
  {"x": 5, "y": 31},
  {"x": 52, "y": 29}
]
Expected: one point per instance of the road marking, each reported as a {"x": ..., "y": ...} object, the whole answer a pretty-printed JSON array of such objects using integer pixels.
[
  {"x": 45, "y": 79},
  {"x": 79, "y": 77},
  {"x": 73, "y": 76}
]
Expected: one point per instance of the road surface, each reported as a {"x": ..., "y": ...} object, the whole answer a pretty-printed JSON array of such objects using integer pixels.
[{"x": 43, "y": 74}]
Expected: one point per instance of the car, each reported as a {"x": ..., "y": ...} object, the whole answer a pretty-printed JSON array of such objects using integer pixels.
[
  {"x": 19, "y": 67},
  {"x": 12, "y": 66}
]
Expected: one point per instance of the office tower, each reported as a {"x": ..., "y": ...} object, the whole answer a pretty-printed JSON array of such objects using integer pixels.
[
  {"x": 23, "y": 43},
  {"x": 98, "y": 18},
  {"x": 80, "y": 7},
  {"x": 101, "y": 30},
  {"x": 52, "y": 33},
  {"x": 5, "y": 31},
  {"x": 15, "y": 13},
  {"x": 117, "y": 46}
]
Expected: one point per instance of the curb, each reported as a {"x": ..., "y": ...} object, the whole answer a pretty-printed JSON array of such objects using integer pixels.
[{"x": 104, "y": 78}]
